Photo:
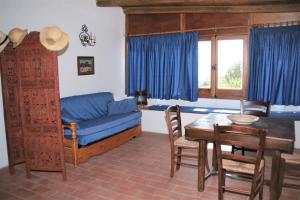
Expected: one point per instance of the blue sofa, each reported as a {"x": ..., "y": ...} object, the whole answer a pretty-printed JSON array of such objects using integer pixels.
[{"x": 96, "y": 123}]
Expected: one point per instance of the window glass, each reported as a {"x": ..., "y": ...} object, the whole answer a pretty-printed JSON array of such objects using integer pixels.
[
  {"x": 204, "y": 64},
  {"x": 230, "y": 63}
]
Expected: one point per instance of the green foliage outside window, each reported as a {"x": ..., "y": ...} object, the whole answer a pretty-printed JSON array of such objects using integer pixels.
[
  {"x": 205, "y": 83},
  {"x": 233, "y": 78}
]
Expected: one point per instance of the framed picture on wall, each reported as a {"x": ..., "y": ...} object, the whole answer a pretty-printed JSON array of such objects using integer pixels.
[{"x": 85, "y": 65}]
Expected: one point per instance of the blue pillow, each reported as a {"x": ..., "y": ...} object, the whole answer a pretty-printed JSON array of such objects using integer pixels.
[
  {"x": 67, "y": 117},
  {"x": 123, "y": 106}
]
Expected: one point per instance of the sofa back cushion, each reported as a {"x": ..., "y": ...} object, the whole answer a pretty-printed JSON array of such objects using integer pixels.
[
  {"x": 121, "y": 107},
  {"x": 88, "y": 106}
]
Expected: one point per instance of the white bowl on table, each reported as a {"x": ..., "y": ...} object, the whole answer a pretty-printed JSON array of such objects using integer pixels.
[{"x": 243, "y": 119}]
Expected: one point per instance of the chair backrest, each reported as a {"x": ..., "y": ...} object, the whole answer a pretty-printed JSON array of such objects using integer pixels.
[
  {"x": 257, "y": 108},
  {"x": 173, "y": 121},
  {"x": 250, "y": 138}
]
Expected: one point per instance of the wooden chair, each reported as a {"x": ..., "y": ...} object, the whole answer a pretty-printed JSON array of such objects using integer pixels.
[
  {"x": 250, "y": 166},
  {"x": 257, "y": 108},
  {"x": 291, "y": 170},
  {"x": 178, "y": 142}
]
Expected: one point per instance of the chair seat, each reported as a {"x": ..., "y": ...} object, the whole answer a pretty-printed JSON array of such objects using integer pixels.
[
  {"x": 183, "y": 142},
  {"x": 240, "y": 167},
  {"x": 292, "y": 158}
]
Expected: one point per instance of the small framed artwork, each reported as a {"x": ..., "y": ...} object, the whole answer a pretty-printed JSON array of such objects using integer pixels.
[{"x": 85, "y": 65}]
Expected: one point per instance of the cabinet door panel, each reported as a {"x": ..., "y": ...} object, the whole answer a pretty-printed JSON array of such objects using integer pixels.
[
  {"x": 40, "y": 106},
  {"x": 11, "y": 107}
]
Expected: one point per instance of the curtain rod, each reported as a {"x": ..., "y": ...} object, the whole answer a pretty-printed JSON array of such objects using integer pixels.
[
  {"x": 278, "y": 24},
  {"x": 190, "y": 30}
]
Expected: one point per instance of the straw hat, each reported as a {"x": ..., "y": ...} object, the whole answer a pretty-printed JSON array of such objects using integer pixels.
[
  {"x": 53, "y": 38},
  {"x": 3, "y": 41},
  {"x": 16, "y": 36}
]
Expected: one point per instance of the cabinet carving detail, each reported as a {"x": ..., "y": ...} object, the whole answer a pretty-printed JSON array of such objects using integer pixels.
[
  {"x": 40, "y": 106},
  {"x": 32, "y": 106},
  {"x": 29, "y": 75},
  {"x": 11, "y": 105}
]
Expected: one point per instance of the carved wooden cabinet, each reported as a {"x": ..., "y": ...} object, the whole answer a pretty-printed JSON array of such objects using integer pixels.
[{"x": 37, "y": 96}]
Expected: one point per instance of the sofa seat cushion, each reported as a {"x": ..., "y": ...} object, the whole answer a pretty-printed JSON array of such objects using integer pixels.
[{"x": 97, "y": 129}]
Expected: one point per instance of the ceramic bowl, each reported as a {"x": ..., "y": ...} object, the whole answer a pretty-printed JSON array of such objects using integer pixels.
[{"x": 243, "y": 119}]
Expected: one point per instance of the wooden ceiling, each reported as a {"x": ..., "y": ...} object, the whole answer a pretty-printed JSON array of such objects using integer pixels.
[{"x": 202, "y": 6}]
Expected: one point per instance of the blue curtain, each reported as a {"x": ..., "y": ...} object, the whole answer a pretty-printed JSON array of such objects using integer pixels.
[
  {"x": 166, "y": 66},
  {"x": 274, "y": 67}
]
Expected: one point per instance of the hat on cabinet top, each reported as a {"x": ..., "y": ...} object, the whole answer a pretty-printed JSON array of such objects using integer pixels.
[
  {"x": 53, "y": 38},
  {"x": 3, "y": 41},
  {"x": 16, "y": 36}
]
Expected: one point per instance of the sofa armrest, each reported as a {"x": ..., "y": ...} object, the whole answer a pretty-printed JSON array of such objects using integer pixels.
[{"x": 73, "y": 126}]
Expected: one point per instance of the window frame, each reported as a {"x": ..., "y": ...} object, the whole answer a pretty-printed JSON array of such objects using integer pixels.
[{"x": 214, "y": 92}]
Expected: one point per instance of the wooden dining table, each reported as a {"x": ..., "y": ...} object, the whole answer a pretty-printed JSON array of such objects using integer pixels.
[{"x": 280, "y": 139}]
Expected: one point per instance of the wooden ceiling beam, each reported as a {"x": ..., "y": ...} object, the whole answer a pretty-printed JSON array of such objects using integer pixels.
[
  {"x": 214, "y": 9},
  {"x": 130, "y": 3}
]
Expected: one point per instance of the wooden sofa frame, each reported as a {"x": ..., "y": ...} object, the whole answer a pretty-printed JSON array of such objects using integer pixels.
[{"x": 76, "y": 154}]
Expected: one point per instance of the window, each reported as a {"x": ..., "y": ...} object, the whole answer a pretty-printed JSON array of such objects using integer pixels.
[
  {"x": 221, "y": 67},
  {"x": 204, "y": 56}
]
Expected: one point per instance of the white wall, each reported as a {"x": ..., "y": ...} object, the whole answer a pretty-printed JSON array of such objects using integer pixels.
[
  {"x": 154, "y": 121},
  {"x": 108, "y": 24}
]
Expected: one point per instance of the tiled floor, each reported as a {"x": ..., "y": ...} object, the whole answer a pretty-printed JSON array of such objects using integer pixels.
[{"x": 136, "y": 170}]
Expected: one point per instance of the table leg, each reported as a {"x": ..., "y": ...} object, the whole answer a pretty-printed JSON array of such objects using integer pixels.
[
  {"x": 214, "y": 159},
  {"x": 275, "y": 189},
  {"x": 201, "y": 165},
  {"x": 281, "y": 177}
]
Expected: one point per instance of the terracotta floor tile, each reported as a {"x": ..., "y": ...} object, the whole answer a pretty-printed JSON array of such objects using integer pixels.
[
  {"x": 6, "y": 195},
  {"x": 137, "y": 170},
  {"x": 23, "y": 193}
]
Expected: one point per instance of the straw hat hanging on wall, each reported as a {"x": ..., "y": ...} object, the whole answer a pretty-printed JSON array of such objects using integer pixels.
[
  {"x": 16, "y": 36},
  {"x": 53, "y": 38},
  {"x": 3, "y": 41}
]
